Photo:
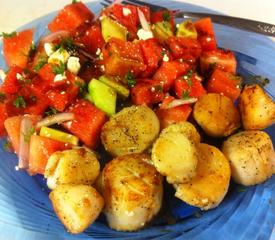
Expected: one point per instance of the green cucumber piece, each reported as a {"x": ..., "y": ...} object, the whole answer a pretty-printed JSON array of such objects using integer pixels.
[
  {"x": 111, "y": 29},
  {"x": 118, "y": 87},
  {"x": 103, "y": 96},
  {"x": 187, "y": 29},
  {"x": 58, "y": 135}
]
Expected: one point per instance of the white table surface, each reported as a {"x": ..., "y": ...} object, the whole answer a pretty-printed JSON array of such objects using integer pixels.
[{"x": 14, "y": 13}]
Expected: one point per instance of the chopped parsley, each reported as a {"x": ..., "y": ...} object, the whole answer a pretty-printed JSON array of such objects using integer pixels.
[
  {"x": 67, "y": 44},
  {"x": 166, "y": 16},
  {"x": 32, "y": 49},
  {"x": 187, "y": 77},
  {"x": 2, "y": 97},
  {"x": 27, "y": 135},
  {"x": 42, "y": 61},
  {"x": 19, "y": 102},
  {"x": 74, "y": 1},
  {"x": 130, "y": 79},
  {"x": 82, "y": 87},
  {"x": 185, "y": 94},
  {"x": 159, "y": 88},
  {"x": 51, "y": 111},
  {"x": 7, "y": 146},
  {"x": 59, "y": 69},
  {"x": 8, "y": 35},
  {"x": 241, "y": 189}
]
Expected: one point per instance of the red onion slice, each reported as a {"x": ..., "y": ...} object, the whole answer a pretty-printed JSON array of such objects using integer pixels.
[
  {"x": 179, "y": 102},
  {"x": 53, "y": 36},
  {"x": 26, "y": 130},
  {"x": 57, "y": 118},
  {"x": 145, "y": 25}
]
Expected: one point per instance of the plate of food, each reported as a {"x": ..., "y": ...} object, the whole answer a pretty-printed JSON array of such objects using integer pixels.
[{"x": 128, "y": 123}]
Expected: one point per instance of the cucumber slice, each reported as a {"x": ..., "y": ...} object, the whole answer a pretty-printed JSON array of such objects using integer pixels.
[
  {"x": 118, "y": 87},
  {"x": 103, "y": 96},
  {"x": 58, "y": 135},
  {"x": 112, "y": 29},
  {"x": 187, "y": 29},
  {"x": 162, "y": 31}
]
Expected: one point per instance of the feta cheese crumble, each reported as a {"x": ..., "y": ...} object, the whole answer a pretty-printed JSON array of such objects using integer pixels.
[{"x": 73, "y": 65}]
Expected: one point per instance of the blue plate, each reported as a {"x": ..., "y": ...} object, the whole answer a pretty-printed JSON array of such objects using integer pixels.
[{"x": 26, "y": 213}]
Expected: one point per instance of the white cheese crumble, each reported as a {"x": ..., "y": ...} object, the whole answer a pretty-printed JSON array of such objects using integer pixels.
[
  {"x": 19, "y": 76},
  {"x": 165, "y": 58},
  {"x": 126, "y": 11},
  {"x": 98, "y": 51},
  {"x": 60, "y": 55},
  {"x": 49, "y": 48},
  {"x": 73, "y": 65},
  {"x": 144, "y": 35},
  {"x": 2, "y": 75},
  {"x": 59, "y": 77}
]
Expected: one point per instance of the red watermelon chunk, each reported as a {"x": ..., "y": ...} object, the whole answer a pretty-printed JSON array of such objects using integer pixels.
[
  {"x": 71, "y": 17},
  {"x": 41, "y": 148},
  {"x": 17, "y": 47},
  {"x": 87, "y": 124}
]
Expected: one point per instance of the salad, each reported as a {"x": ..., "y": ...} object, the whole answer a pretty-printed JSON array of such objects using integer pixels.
[{"x": 108, "y": 108}]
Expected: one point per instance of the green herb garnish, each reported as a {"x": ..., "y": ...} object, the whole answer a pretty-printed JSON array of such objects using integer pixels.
[
  {"x": 187, "y": 77},
  {"x": 130, "y": 79},
  {"x": 27, "y": 136},
  {"x": 19, "y": 102},
  {"x": 74, "y": 1},
  {"x": 51, "y": 111},
  {"x": 8, "y": 35},
  {"x": 40, "y": 64},
  {"x": 67, "y": 44},
  {"x": 59, "y": 69},
  {"x": 159, "y": 88},
  {"x": 241, "y": 189},
  {"x": 7, "y": 146},
  {"x": 185, "y": 94},
  {"x": 82, "y": 87},
  {"x": 166, "y": 16},
  {"x": 2, "y": 97}
]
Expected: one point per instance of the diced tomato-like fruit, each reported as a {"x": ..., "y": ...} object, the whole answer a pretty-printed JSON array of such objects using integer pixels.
[
  {"x": 163, "y": 15},
  {"x": 223, "y": 59},
  {"x": 46, "y": 74},
  {"x": 16, "y": 48},
  {"x": 34, "y": 102},
  {"x": 87, "y": 123},
  {"x": 64, "y": 94},
  {"x": 92, "y": 39},
  {"x": 152, "y": 53},
  {"x": 204, "y": 26},
  {"x": 169, "y": 72},
  {"x": 190, "y": 87},
  {"x": 11, "y": 84},
  {"x": 147, "y": 92},
  {"x": 3, "y": 117},
  {"x": 185, "y": 48},
  {"x": 173, "y": 115},
  {"x": 121, "y": 57},
  {"x": 224, "y": 83},
  {"x": 127, "y": 15},
  {"x": 206, "y": 35},
  {"x": 207, "y": 42},
  {"x": 12, "y": 126},
  {"x": 71, "y": 17},
  {"x": 41, "y": 148}
]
